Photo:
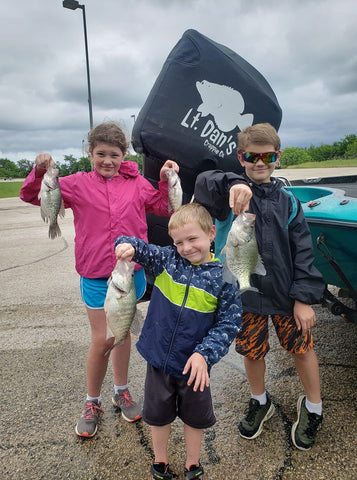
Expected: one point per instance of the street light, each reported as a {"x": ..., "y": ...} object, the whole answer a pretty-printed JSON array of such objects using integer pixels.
[
  {"x": 73, "y": 5},
  {"x": 133, "y": 116}
]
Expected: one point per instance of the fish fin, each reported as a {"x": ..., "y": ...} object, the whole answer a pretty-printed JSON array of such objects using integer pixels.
[
  {"x": 62, "y": 210},
  {"x": 246, "y": 289},
  {"x": 110, "y": 342},
  {"x": 138, "y": 322},
  {"x": 227, "y": 274},
  {"x": 259, "y": 268}
]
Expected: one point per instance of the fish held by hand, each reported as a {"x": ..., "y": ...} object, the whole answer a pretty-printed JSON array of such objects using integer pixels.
[
  {"x": 174, "y": 190},
  {"x": 242, "y": 255},
  {"x": 120, "y": 302},
  {"x": 51, "y": 201}
]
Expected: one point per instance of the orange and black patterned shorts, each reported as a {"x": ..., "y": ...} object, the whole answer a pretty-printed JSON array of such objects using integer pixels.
[{"x": 252, "y": 340}]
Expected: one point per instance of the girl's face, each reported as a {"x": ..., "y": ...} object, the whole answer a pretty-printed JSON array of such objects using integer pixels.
[
  {"x": 193, "y": 243},
  {"x": 259, "y": 172},
  {"x": 107, "y": 159}
]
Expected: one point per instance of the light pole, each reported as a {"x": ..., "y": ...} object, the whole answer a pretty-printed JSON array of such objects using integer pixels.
[
  {"x": 133, "y": 116},
  {"x": 73, "y": 5}
]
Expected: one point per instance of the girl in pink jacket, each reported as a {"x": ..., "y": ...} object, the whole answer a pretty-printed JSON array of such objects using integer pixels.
[{"x": 111, "y": 200}]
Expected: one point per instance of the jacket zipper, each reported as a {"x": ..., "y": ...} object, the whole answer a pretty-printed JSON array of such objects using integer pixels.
[{"x": 178, "y": 319}]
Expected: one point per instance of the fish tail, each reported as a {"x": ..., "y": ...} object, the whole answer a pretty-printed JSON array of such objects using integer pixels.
[{"x": 54, "y": 231}]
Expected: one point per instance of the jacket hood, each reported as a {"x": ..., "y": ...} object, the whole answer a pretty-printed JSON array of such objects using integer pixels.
[{"x": 127, "y": 169}]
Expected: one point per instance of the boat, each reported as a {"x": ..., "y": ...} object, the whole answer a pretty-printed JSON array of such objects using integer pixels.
[{"x": 332, "y": 219}]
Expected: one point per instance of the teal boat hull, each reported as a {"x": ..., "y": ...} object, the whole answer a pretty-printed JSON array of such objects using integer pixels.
[{"x": 332, "y": 219}]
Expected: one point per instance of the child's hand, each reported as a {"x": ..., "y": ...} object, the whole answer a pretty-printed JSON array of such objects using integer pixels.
[
  {"x": 304, "y": 316},
  {"x": 168, "y": 164},
  {"x": 199, "y": 372},
  {"x": 239, "y": 198},
  {"x": 42, "y": 162},
  {"x": 124, "y": 251}
]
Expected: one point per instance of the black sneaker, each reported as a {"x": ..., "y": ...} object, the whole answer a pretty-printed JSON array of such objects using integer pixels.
[
  {"x": 195, "y": 472},
  {"x": 87, "y": 424},
  {"x": 255, "y": 415},
  {"x": 130, "y": 410},
  {"x": 304, "y": 430},
  {"x": 160, "y": 471}
]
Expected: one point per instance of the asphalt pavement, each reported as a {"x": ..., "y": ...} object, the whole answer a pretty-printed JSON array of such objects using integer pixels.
[{"x": 43, "y": 345}]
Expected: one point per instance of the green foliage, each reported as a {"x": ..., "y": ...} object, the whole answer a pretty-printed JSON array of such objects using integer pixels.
[
  {"x": 337, "y": 149},
  {"x": 351, "y": 150},
  {"x": 294, "y": 156},
  {"x": 137, "y": 159},
  {"x": 72, "y": 165},
  {"x": 8, "y": 169},
  {"x": 25, "y": 167}
]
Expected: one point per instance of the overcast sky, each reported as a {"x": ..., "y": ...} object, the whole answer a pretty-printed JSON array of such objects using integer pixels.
[{"x": 306, "y": 50}]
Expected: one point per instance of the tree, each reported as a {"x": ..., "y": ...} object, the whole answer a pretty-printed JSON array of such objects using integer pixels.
[
  {"x": 294, "y": 156},
  {"x": 351, "y": 150},
  {"x": 25, "y": 167},
  {"x": 72, "y": 165},
  {"x": 8, "y": 168}
]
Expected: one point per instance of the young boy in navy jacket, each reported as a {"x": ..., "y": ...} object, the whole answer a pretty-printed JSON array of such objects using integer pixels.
[{"x": 192, "y": 319}]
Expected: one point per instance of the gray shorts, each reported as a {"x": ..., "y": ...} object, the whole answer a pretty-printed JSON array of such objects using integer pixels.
[{"x": 167, "y": 397}]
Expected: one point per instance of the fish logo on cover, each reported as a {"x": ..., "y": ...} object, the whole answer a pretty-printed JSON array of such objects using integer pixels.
[{"x": 226, "y": 106}]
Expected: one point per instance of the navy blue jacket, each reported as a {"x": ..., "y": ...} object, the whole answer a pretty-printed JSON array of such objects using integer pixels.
[
  {"x": 191, "y": 309},
  {"x": 283, "y": 238}
]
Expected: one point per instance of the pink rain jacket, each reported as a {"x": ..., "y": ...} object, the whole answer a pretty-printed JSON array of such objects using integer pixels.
[{"x": 104, "y": 209}]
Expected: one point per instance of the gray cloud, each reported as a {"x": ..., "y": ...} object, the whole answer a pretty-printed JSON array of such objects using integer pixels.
[{"x": 305, "y": 49}]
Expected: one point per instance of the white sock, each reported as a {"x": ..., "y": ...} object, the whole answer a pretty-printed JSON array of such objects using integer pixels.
[
  {"x": 120, "y": 388},
  {"x": 262, "y": 399},
  {"x": 91, "y": 399},
  {"x": 313, "y": 407}
]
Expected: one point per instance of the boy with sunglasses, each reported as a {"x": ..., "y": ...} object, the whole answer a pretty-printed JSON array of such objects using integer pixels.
[{"x": 289, "y": 288}]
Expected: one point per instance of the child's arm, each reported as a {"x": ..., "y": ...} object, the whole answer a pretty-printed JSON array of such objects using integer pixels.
[
  {"x": 308, "y": 284},
  {"x": 228, "y": 321},
  {"x": 239, "y": 198},
  {"x": 167, "y": 165},
  {"x": 152, "y": 257},
  {"x": 199, "y": 372},
  {"x": 124, "y": 251},
  {"x": 304, "y": 316},
  {"x": 213, "y": 189}
]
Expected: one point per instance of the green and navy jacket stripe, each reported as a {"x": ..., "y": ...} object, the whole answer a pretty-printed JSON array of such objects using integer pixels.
[{"x": 191, "y": 309}]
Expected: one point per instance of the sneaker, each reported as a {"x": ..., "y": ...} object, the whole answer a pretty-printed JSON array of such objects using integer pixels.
[
  {"x": 87, "y": 424},
  {"x": 304, "y": 430},
  {"x": 160, "y": 471},
  {"x": 130, "y": 410},
  {"x": 255, "y": 415},
  {"x": 194, "y": 472}
]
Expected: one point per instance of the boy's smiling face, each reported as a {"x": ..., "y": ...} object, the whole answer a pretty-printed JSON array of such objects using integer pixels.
[
  {"x": 259, "y": 172},
  {"x": 192, "y": 242}
]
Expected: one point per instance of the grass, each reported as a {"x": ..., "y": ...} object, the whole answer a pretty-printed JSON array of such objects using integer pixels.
[
  {"x": 333, "y": 163},
  {"x": 10, "y": 189}
]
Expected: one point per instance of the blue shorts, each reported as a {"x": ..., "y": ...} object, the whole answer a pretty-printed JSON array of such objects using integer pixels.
[{"x": 94, "y": 290}]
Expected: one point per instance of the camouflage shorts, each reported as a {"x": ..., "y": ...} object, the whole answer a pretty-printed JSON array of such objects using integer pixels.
[{"x": 252, "y": 340}]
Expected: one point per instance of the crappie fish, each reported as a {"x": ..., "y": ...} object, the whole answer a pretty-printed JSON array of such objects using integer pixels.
[
  {"x": 174, "y": 190},
  {"x": 242, "y": 256},
  {"x": 51, "y": 201},
  {"x": 120, "y": 301}
]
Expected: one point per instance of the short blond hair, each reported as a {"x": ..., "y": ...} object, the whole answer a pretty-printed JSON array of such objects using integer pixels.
[
  {"x": 260, "y": 133},
  {"x": 189, "y": 213}
]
